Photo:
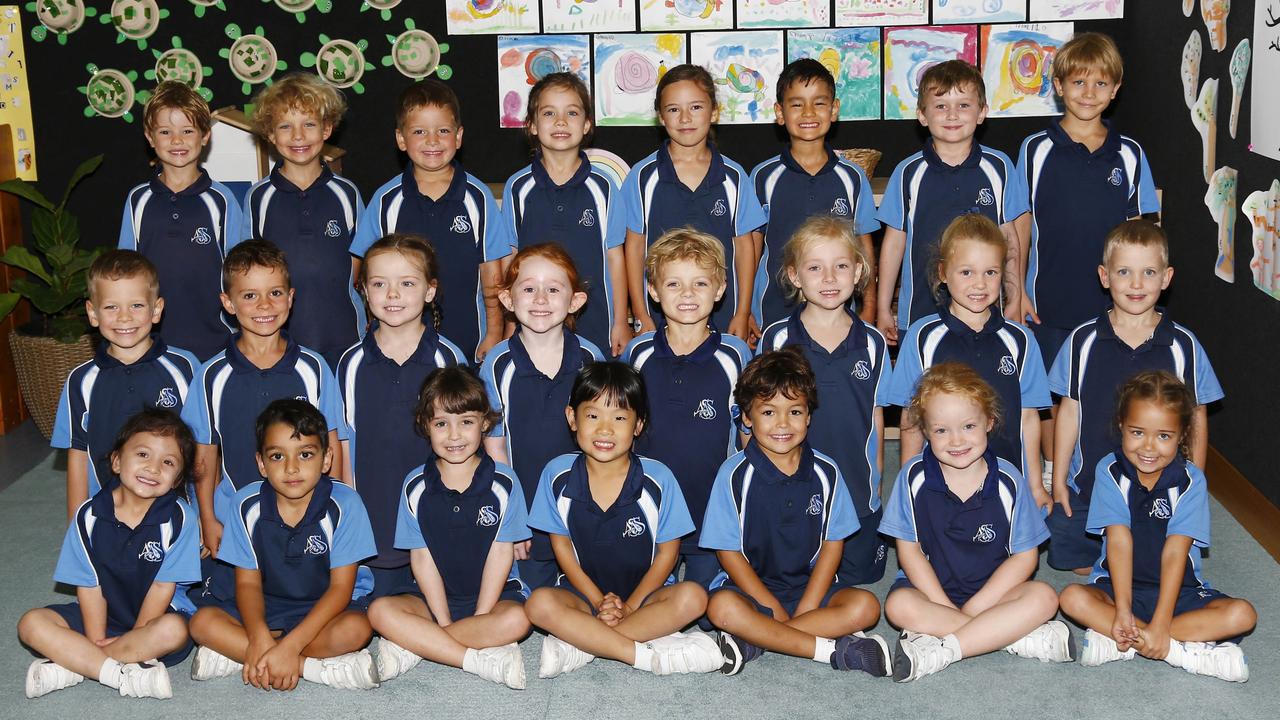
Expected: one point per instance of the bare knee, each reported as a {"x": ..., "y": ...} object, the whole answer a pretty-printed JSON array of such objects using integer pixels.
[
  {"x": 1074, "y": 599},
  {"x": 32, "y": 623},
  {"x": 201, "y": 625},
  {"x": 688, "y": 599},
  {"x": 380, "y": 612},
  {"x": 170, "y": 630},
  {"x": 900, "y": 609},
  {"x": 1043, "y": 596},
  {"x": 861, "y": 606},
  {"x": 512, "y": 620},
  {"x": 351, "y": 630},
  {"x": 541, "y": 606},
  {"x": 728, "y": 609},
  {"x": 1241, "y": 616}
]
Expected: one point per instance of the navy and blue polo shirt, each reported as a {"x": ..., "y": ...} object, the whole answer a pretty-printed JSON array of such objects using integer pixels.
[
  {"x": 965, "y": 541},
  {"x": 314, "y": 226},
  {"x": 123, "y": 562},
  {"x": 692, "y": 424},
  {"x": 1178, "y": 504},
  {"x": 1076, "y": 198},
  {"x": 460, "y": 528},
  {"x": 723, "y": 205},
  {"x": 100, "y": 395},
  {"x": 925, "y": 194},
  {"x": 186, "y": 234},
  {"x": 852, "y": 383},
  {"x": 464, "y": 228},
  {"x": 778, "y": 522},
  {"x": 532, "y": 405},
  {"x": 615, "y": 547},
  {"x": 228, "y": 394},
  {"x": 575, "y": 216},
  {"x": 1003, "y": 353},
  {"x": 790, "y": 196},
  {"x": 1092, "y": 366}
]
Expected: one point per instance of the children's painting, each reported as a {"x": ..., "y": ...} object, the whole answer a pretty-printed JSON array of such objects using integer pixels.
[
  {"x": 585, "y": 16},
  {"x": 489, "y": 17},
  {"x": 1264, "y": 97},
  {"x": 1220, "y": 198},
  {"x": 746, "y": 66},
  {"x": 862, "y": 13},
  {"x": 783, "y": 13},
  {"x": 525, "y": 59},
  {"x": 853, "y": 57},
  {"x": 947, "y": 12},
  {"x": 910, "y": 51},
  {"x": 1017, "y": 66},
  {"x": 627, "y": 70},
  {"x": 1262, "y": 210},
  {"x": 668, "y": 15},
  {"x": 1076, "y": 9}
]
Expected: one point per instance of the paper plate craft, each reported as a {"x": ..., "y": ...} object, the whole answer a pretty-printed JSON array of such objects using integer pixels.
[
  {"x": 299, "y": 8},
  {"x": 252, "y": 57},
  {"x": 340, "y": 62},
  {"x": 1262, "y": 209},
  {"x": 609, "y": 164},
  {"x": 382, "y": 6},
  {"x": 59, "y": 17},
  {"x": 1220, "y": 198},
  {"x": 1240, "y": 58},
  {"x": 134, "y": 20},
  {"x": 1191, "y": 54},
  {"x": 416, "y": 54},
  {"x": 872, "y": 13},
  {"x": 1188, "y": 6},
  {"x": 202, "y": 6},
  {"x": 110, "y": 92},
  {"x": 1215, "y": 13},
  {"x": 179, "y": 63},
  {"x": 1204, "y": 116}
]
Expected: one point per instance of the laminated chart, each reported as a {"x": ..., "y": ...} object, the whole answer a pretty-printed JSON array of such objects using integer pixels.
[{"x": 15, "y": 92}]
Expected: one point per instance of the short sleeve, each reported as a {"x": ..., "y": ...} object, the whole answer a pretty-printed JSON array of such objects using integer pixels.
[
  {"x": 757, "y": 184},
  {"x": 1107, "y": 505},
  {"x": 864, "y": 216},
  {"x": 496, "y": 242},
  {"x": 1191, "y": 511},
  {"x": 1027, "y": 528},
  {"x": 902, "y": 383},
  {"x": 721, "y": 529},
  {"x": 181, "y": 562},
  {"x": 843, "y": 521},
  {"x": 246, "y": 224},
  {"x": 515, "y": 520},
  {"x": 892, "y": 211},
  {"x": 353, "y": 537},
  {"x": 488, "y": 372},
  {"x": 1059, "y": 375},
  {"x": 369, "y": 229},
  {"x": 886, "y": 376},
  {"x": 632, "y": 217},
  {"x": 331, "y": 401},
  {"x": 74, "y": 566},
  {"x": 899, "y": 516},
  {"x": 507, "y": 215},
  {"x": 128, "y": 233},
  {"x": 544, "y": 515},
  {"x": 1015, "y": 192},
  {"x": 237, "y": 547},
  {"x": 66, "y": 432},
  {"x": 195, "y": 411},
  {"x": 233, "y": 223},
  {"x": 674, "y": 521},
  {"x": 1033, "y": 381},
  {"x": 1208, "y": 389},
  {"x": 1144, "y": 198},
  {"x": 459, "y": 358},
  {"x": 749, "y": 215},
  {"x": 408, "y": 530},
  {"x": 591, "y": 348}
]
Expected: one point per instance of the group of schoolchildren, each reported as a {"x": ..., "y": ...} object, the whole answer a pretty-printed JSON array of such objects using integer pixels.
[{"x": 350, "y": 476}]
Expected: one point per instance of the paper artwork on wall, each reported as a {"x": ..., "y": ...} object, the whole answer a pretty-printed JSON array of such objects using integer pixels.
[
  {"x": 1188, "y": 6},
  {"x": 489, "y": 17},
  {"x": 853, "y": 57},
  {"x": 588, "y": 16},
  {"x": 669, "y": 15},
  {"x": 1191, "y": 54},
  {"x": 947, "y": 12},
  {"x": 525, "y": 59},
  {"x": 862, "y": 13},
  {"x": 181, "y": 64},
  {"x": 1264, "y": 97},
  {"x": 59, "y": 17},
  {"x": 15, "y": 94},
  {"x": 340, "y": 62},
  {"x": 134, "y": 20},
  {"x": 1215, "y": 14},
  {"x": 627, "y": 70},
  {"x": 1262, "y": 210},
  {"x": 110, "y": 92},
  {"x": 1077, "y": 9},
  {"x": 909, "y": 52},
  {"x": 416, "y": 54},
  {"x": 1204, "y": 116},
  {"x": 1017, "y": 67},
  {"x": 1239, "y": 70},
  {"x": 783, "y": 13},
  {"x": 746, "y": 66},
  {"x": 251, "y": 57},
  {"x": 1220, "y": 198}
]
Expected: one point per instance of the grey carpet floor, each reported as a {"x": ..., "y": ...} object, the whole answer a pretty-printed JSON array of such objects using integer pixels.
[{"x": 990, "y": 687}]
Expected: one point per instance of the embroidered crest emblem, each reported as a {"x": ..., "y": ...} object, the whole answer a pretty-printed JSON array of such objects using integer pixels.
[
  {"x": 985, "y": 197},
  {"x": 861, "y": 370},
  {"x": 985, "y": 533},
  {"x": 316, "y": 546},
  {"x": 841, "y": 207},
  {"x": 815, "y": 505},
  {"x": 202, "y": 236},
  {"x": 151, "y": 552},
  {"x": 167, "y": 399},
  {"x": 461, "y": 225},
  {"x": 588, "y": 218},
  {"x": 486, "y": 517},
  {"x": 634, "y": 528},
  {"x": 706, "y": 410},
  {"x": 1115, "y": 178},
  {"x": 1160, "y": 509},
  {"x": 719, "y": 208},
  {"x": 1007, "y": 366},
  {"x": 332, "y": 229}
]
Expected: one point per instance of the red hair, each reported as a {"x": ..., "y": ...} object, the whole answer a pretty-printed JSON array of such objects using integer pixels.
[{"x": 552, "y": 253}]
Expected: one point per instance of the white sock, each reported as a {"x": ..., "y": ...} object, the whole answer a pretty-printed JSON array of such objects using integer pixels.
[
  {"x": 644, "y": 657},
  {"x": 471, "y": 661},
  {"x": 311, "y": 669},
  {"x": 823, "y": 649},
  {"x": 109, "y": 674},
  {"x": 952, "y": 643},
  {"x": 1175, "y": 656}
]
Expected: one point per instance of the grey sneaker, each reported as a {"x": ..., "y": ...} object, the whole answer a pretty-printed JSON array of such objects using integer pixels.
[
  {"x": 1098, "y": 649},
  {"x": 1051, "y": 642},
  {"x": 147, "y": 679},
  {"x": 1225, "y": 661},
  {"x": 393, "y": 660},
  {"x": 503, "y": 665},
  {"x": 352, "y": 671},
  {"x": 45, "y": 676},
  {"x": 859, "y": 651},
  {"x": 917, "y": 655},
  {"x": 208, "y": 664},
  {"x": 691, "y": 652},
  {"x": 560, "y": 657}
]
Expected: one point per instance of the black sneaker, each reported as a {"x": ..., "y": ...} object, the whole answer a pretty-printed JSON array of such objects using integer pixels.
[
  {"x": 737, "y": 652},
  {"x": 868, "y": 653}
]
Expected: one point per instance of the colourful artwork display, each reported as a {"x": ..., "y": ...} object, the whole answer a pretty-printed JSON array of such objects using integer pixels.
[
  {"x": 853, "y": 57},
  {"x": 1262, "y": 210},
  {"x": 1192, "y": 52},
  {"x": 783, "y": 13},
  {"x": 1214, "y": 13},
  {"x": 1076, "y": 9},
  {"x": 910, "y": 51},
  {"x": 1017, "y": 66},
  {"x": 1220, "y": 198},
  {"x": 746, "y": 66},
  {"x": 15, "y": 94},
  {"x": 1239, "y": 70},
  {"x": 1204, "y": 117},
  {"x": 627, "y": 70},
  {"x": 525, "y": 59},
  {"x": 946, "y": 12},
  {"x": 587, "y": 16},
  {"x": 863, "y": 13},
  {"x": 670, "y": 15},
  {"x": 1264, "y": 97},
  {"x": 489, "y": 17}
]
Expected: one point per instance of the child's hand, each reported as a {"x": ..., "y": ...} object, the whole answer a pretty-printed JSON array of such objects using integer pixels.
[
  {"x": 887, "y": 325},
  {"x": 1153, "y": 641},
  {"x": 281, "y": 665},
  {"x": 754, "y": 333},
  {"x": 779, "y": 613},
  {"x": 1124, "y": 630},
  {"x": 105, "y": 641},
  {"x": 253, "y": 674},
  {"x": 740, "y": 326},
  {"x": 1028, "y": 310},
  {"x": 1061, "y": 496},
  {"x": 210, "y": 536},
  {"x": 522, "y": 549},
  {"x": 1041, "y": 497},
  {"x": 486, "y": 344},
  {"x": 619, "y": 336}
]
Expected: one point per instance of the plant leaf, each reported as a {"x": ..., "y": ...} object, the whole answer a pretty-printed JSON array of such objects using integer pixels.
[
  {"x": 21, "y": 257},
  {"x": 43, "y": 227},
  {"x": 47, "y": 300},
  {"x": 8, "y": 301},
  {"x": 27, "y": 191},
  {"x": 86, "y": 168},
  {"x": 80, "y": 262}
]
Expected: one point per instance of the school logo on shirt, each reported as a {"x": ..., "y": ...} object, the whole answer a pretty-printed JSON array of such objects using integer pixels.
[
  {"x": 168, "y": 398},
  {"x": 1115, "y": 178},
  {"x": 1007, "y": 366},
  {"x": 985, "y": 533},
  {"x": 719, "y": 208},
  {"x": 1160, "y": 509},
  {"x": 815, "y": 505},
  {"x": 880, "y": 551},
  {"x": 316, "y": 546},
  {"x": 151, "y": 552},
  {"x": 486, "y": 517},
  {"x": 861, "y": 370},
  {"x": 461, "y": 225},
  {"x": 985, "y": 197},
  {"x": 634, "y": 528},
  {"x": 588, "y": 218},
  {"x": 841, "y": 207},
  {"x": 706, "y": 410},
  {"x": 332, "y": 229},
  {"x": 202, "y": 236}
]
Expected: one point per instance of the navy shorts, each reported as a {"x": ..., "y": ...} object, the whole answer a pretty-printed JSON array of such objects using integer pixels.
[
  {"x": 701, "y": 567},
  {"x": 789, "y": 601},
  {"x": 70, "y": 612},
  {"x": 1146, "y": 596},
  {"x": 1050, "y": 339},
  {"x": 957, "y": 599},
  {"x": 1070, "y": 547},
  {"x": 387, "y": 582},
  {"x": 538, "y": 573},
  {"x": 864, "y": 553}
]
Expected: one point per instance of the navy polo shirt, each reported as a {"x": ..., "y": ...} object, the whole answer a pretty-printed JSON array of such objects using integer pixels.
[
  {"x": 228, "y": 394},
  {"x": 465, "y": 230},
  {"x": 790, "y": 196},
  {"x": 1092, "y": 366},
  {"x": 965, "y": 541},
  {"x": 692, "y": 424},
  {"x": 723, "y": 205},
  {"x": 778, "y": 522},
  {"x": 379, "y": 400},
  {"x": 1178, "y": 504},
  {"x": 1076, "y": 198},
  {"x": 615, "y": 547},
  {"x": 186, "y": 234},
  {"x": 925, "y": 194},
  {"x": 123, "y": 562},
  {"x": 100, "y": 395},
  {"x": 460, "y": 528},
  {"x": 1003, "y": 353},
  {"x": 852, "y": 382},
  {"x": 575, "y": 216},
  {"x": 314, "y": 227},
  {"x": 532, "y": 405},
  {"x": 295, "y": 561}
]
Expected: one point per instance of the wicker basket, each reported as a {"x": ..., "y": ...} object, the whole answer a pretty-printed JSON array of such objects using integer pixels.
[
  {"x": 866, "y": 158},
  {"x": 42, "y": 365}
]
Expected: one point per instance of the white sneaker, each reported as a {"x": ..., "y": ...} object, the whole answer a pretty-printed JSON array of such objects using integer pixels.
[
  {"x": 916, "y": 655},
  {"x": 1051, "y": 642},
  {"x": 394, "y": 661},
  {"x": 503, "y": 665},
  {"x": 1225, "y": 661},
  {"x": 352, "y": 671},
  {"x": 208, "y": 664},
  {"x": 1098, "y": 649},
  {"x": 1046, "y": 478},
  {"x": 147, "y": 679},
  {"x": 560, "y": 657},
  {"x": 680, "y": 653},
  {"x": 45, "y": 676}
]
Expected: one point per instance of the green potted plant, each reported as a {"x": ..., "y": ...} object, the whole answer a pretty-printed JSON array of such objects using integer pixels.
[{"x": 55, "y": 342}]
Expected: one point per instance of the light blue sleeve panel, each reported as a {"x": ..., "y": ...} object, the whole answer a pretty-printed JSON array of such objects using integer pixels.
[
  {"x": 615, "y": 219},
  {"x": 902, "y": 384},
  {"x": 233, "y": 223},
  {"x": 886, "y": 373},
  {"x": 247, "y": 225},
  {"x": 544, "y": 515},
  {"x": 1191, "y": 511},
  {"x": 1147, "y": 200},
  {"x": 1208, "y": 389},
  {"x": 674, "y": 521},
  {"x": 515, "y": 519},
  {"x": 1016, "y": 201},
  {"x": 1032, "y": 380},
  {"x": 496, "y": 242},
  {"x": 181, "y": 562},
  {"x": 749, "y": 215},
  {"x": 487, "y": 377},
  {"x": 632, "y": 216},
  {"x": 195, "y": 411},
  {"x": 511, "y": 234},
  {"x": 1027, "y": 528},
  {"x": 864, "y": 214},
  {"x": 74, "y": 566},
  {"x": 370, "y": 229},
  {"x": 720, "y": 525},
  {"x": 899, "y": 519},
  {"x": 353, "y": 537},
  {"x": 460, "y": 358},
  {"x": 331, "y": 400},
  {"x": 128, "y": 233},
  {"x": 237, "y": 547},
  {"x": 1060, "y": 372},
  {"x": 1107, "y": 506},
  {"x": 893, "y": 212},
  {"x": 408, "y": 530},
  {"x": 68, "y": 434},
  {"x": 843, "y": 521},
  {"x": 755, "y": 181}
]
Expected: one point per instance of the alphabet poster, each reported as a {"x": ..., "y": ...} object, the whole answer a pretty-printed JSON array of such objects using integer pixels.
[{"x": 15, "y": 92}]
